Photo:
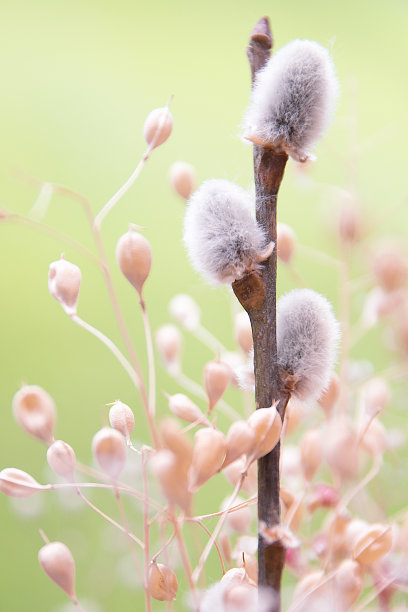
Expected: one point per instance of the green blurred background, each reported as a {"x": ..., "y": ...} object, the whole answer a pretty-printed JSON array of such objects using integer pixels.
[{"x": 78, "y": 79}]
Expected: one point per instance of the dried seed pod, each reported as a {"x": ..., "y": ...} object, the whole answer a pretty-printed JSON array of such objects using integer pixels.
[
  {"x": 158, "y": 126},
  {"x": 241, "y": 440},
  {"x": 172, "y": 476},
  {"x": 390, "y": 268},
  {"x": 208, "y": 456},
  {"x": 184, "y": 408},
  {"x": 183, "y": 178},
  {"x": 162, "y": 582},
  {"x": 293, "y": 416},
  {"x": 109, "y": 449},
  {"x": 240, "y": 597},
  {"x": 376, "y": 395},
  {"x": 61, "y": 458},
  {"x": 267, "y": 425},
  {"x": 374, "y": 438},
  {"x": 122, "y": 418},
  {"x": 373, "y": 543},
  {"x": 16, "y": 483},
  {"x": 323, "y": 496},
  {"x": 169, "y": 343},
  {"x": 340, "y": 450},
  {"x": 243, "y": 331},
  {"x": 175, "y": 440},
  {"x": 64, "y": 282},
  {"x": 34, "y": 410},
  {"x": 217, "y": 376},
  {"x": 349, "y": 581},
  {"x": 312, "y": 592},
  {"x": 311, "y": 453},
  {"x": 233, "y": 473},
  {"x": 185, "y": 310},
  {"x": 58, "y": 563},
  {"x": 250, "y": 564},
  {"x": 134, "y": 257},
  {"x": 286, "y": 240},
  {"x": 329, "y": 397}
]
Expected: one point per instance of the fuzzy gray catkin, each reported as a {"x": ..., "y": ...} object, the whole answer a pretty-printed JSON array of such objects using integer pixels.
[
  {"x": 307, "y": 338},
  {"x": 222, "y": 237},
  {"x": 293, "y": 99}
]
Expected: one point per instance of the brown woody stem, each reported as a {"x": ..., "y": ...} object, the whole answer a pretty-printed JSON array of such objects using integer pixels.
[{"x": 257, "y": 294}]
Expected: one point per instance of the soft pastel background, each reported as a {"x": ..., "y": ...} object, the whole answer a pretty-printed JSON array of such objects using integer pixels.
[{"x": 77, "y": 81}]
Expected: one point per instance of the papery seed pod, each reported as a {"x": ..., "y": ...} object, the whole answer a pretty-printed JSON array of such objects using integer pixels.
[
  {"x": 217, "y": 376},
  {"x": 352, "y": 533},
  {"x": 250, "y": 564},
  {"x": 349, "y": 581},
  {"x": 183, "y": 178},
  {"x": 240, "y": 597},
  {"x": 169, "y": 343},
  {"x": 348, "y": 223},
  {"x": 267, "y": 426},
  {"x": 122, "y": 418},
  {"x": 238, "y": 520},
  {"x": 241, "y": 440},
  {"x": 109, "y": 449},
  {"x": 58, "y": 563},
  {"x": 185, "y": 310},
  {"x": 243, "y": 331},
  {"x": 293, "y": 99},
  {"x": 223, "y": 239},
  {"x": 158, "y": 126},
  {"x": 16, "y": 483},
  {"x": 34, "y": 410},
  {"x": 293, "y": 416},
  {"x": 374, "y": 438},
  {"x": 311, "y": 453},
  {"x": 312, "y": 592},
  {"x": 376, "y": 395},
  {"x": 172, "y": 476},
  {"x": 208, "y": 456},
  {"x": 307, "y": 337},
  {"x": 334, "y": 536},
  {"x": 286, "y": 241},
  {"x": 162, "y": 582},
  {"x": 341, "y": 450},
  {"x": 236, "y": 575},
  {"x": 330, "y": 395},
  {"x": 61, "y": 459},
  {"x": 64, "y": 282},
  {"x": 323, "y": 496},
  {"x": 390, "y": 268},
  {"x": 233, "y": 473},
  {"x": 184, "y": 408},
  {"x": 175, "y": 440},
  {"x": 373, "y": 543},
  {"x": 134, "y": 257}
]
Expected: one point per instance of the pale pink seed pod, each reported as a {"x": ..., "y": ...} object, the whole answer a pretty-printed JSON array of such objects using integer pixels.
[
  {"x": 236, "y": 575},
  {"x": 286, "y": 240},
  {"x": 61, "y": 459},
  {"x": 175, "y": 440},
  {"x": 311, "y": 453},
  {"x": 134, "y": 257},
  {"x": 348, "y": 223},
  {"x": 390, "y": 268},
  {"x": 240, "y": 597},
  {"x": 225, "y": 546},
  {"x": 172, "y": 476},
  {"x": 239, "y": 520},
  {"x": 183, "y": 178},
  {"x": 16, "y": 483},
  {"x": 241, "y": 440},
  {"x": 162, "y": 582},
  {"x": 185, "y": 409},
  {"x": 243, "y": 331},
  {"x": 340, "y": 450},
  {"x": 217, "y": 376},
  {"x": 34, "y": 410},
  {"x": 329, "y": 397},
  {"x": 373, "y": 544},
  {"x": 122, "y": 418},
  {"x": 310, "y": 591},
  {"x": 158, "y": 126},
  {"x": 169, "y": 344},
  {"x": 64, "y": 282},
  {"x": 109, "y": 449},
  {"x": 376, "y": 395},
  {"x": 208, "y": 456},
  {"x": 323, "y": 496},
  {"x": 58, "y": 563},
  {"x": 250, "y": 564},
  {"x": 374, "y": 439},
  {"x": 293, "y": 416},
  {"x": 352, "y": 533},
  {"x": 185, "y": 310},
  {"x": 349, "y": 581},
  {"x": 233, "y": 473},
  {"x": 267, "y": 425}
]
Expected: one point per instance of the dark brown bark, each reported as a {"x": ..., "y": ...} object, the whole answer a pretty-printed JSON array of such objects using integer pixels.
[{"x": 257, "y": 294}]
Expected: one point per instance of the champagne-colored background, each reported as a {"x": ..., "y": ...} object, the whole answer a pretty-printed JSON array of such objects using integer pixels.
[{"x": 77, "y": 81}]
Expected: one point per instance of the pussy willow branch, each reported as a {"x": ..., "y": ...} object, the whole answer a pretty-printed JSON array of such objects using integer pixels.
[{"x": 257, "y": 294}]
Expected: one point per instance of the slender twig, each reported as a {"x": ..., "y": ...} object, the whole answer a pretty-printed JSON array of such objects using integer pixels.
[
  {"x": 150, "y": 360},
  {"x": 146, "y": 532}
]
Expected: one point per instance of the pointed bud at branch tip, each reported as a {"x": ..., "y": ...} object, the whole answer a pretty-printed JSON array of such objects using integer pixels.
[
  {"x": 208, "y": 456},
  {"x": 162, "y": 582},
  {"x": 109, "y": 449},
  {"x": 16, "y": 483},
  {"x": 122, "y": 419},
  {"x": 185, "y": 310},
  {"x": 169, "y": 344},
  {"x": 158, "y": 126},
  {"x": 58, "y": 563},
  {"x": 217, "y": 376},
  {"x": 61, "y": 458},
  {"x": 183, "y": 179},
  {"x": 64, "y": 282},
  {"x": 134, "y": 257},
  {"x": 34, "y": 410}
]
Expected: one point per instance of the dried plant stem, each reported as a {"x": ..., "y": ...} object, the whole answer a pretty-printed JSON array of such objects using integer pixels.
[
  {"x": 257, "y": 294},
  {"x": 109, "y": 519},
  {"x": 146, "y": 532},
  {"x": 208, "y": 532},
  {"x": 163, "y": 548},
  {"x": 192, "y": 387},
  {"x": 205, "y": 337},
  {"x": 184, "y": 557},
  {"x": 150, "y": 361}
]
